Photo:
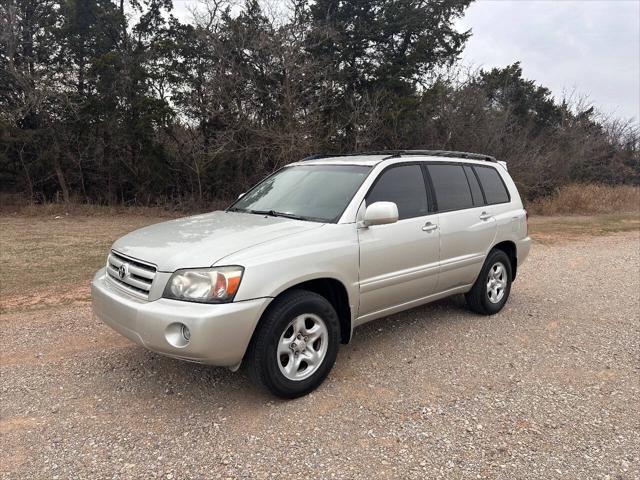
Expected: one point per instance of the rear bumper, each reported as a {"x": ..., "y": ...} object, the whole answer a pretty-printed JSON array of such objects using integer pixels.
[
  {"x": 523, "y": 247},
  {"x": 219, "y": 336}
]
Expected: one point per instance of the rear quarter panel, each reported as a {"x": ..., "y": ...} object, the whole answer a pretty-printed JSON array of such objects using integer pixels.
[{"x": 510, "y": 217}]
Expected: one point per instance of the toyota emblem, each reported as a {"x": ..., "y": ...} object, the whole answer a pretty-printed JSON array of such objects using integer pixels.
[{"x": 123, "y": 271}]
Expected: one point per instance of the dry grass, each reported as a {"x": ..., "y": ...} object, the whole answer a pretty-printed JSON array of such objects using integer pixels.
[
  {"x": 553, "y": 229},
  {"x": 589, "y": 200},
  {"x": 48, "y": 260},
  {"x": 47, "y": 257},
  {"x": 48, "y": 253}
]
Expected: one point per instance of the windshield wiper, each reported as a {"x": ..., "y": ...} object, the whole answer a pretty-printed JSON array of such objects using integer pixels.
[
  {"x": 288, "y": 215},
  {"x": 274, "y": 213},
  {"x": 293, "y": 216}
]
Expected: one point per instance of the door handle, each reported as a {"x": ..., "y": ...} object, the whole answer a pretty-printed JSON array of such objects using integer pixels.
[
  {"x": 485, "y": 216},
  {"x": 429, "y": 227}
]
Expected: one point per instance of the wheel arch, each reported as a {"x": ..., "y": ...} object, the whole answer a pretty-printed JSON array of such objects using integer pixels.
[
  {"x": 331, "y": 289},
  {"x": 510, "y": 249},
  {"x": 336, "y": 293}
]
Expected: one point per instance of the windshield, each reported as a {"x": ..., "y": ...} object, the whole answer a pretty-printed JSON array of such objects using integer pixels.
[{"x": 307, "y": 192}]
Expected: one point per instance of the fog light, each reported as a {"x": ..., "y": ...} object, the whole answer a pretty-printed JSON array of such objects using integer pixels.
[
  {"x": 186, "y": 334},
  {"x": 177, "y": 335}
]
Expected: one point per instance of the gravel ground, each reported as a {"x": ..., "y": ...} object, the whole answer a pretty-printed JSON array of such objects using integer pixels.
[{"x": 548, "y": 388}]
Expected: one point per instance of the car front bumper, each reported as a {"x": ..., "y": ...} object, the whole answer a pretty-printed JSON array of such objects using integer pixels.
[{"x": 219, "y": 333}]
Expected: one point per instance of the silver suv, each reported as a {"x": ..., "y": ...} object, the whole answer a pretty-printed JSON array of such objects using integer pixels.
[{"x": 284, "y": 275}]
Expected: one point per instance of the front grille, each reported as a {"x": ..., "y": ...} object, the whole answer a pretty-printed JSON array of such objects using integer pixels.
[{"x": 133, "y": 275}]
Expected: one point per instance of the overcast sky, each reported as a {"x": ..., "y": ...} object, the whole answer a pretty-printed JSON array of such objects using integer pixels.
[
  {"x": 585, "y": 47},
  {"x": 591, "y": 47}
]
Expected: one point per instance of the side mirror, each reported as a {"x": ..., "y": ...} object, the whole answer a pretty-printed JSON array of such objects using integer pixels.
[
  {"x": 380, "y": 213},
  {"x": 240, "y": 196}
]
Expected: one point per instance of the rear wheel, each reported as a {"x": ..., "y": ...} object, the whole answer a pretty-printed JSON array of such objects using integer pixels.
[
  {"x": 295, "y": 345},
  {"x": 492, "y": 287}
]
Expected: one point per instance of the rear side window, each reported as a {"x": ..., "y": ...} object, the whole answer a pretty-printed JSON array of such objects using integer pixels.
[
  {"x": 476, "y": 192},
  {"x": 492, "y": 184},
  {"x": 405, "y": 187},
  {"x": 450, "y": 186}
]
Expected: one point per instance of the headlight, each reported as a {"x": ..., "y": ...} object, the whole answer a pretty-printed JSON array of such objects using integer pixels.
[{"x": 205, "y": 285}]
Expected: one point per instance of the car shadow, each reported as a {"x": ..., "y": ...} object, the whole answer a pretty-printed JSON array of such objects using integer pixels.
[
  {"x": 430, "y": 315},
  {"x": 157, "y": 376}
]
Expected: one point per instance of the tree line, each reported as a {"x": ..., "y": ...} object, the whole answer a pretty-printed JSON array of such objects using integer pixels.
[{"x": 119, "y": 102}]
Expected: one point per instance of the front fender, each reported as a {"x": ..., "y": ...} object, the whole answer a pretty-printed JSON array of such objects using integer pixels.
[{"x": 273, "y": 267}]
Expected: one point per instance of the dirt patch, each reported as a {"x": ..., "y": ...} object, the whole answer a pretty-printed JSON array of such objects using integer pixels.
[
  {"x": 16, "y": 423},
  {"x": 47, "y": 297}
]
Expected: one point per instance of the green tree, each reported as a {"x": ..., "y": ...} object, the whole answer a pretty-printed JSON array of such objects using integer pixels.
[
  {"x": 373, "y": 47},
  {"x": 505, "y": 88}
]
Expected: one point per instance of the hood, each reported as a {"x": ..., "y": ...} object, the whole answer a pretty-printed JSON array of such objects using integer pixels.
[{"x": 202, "y": 240}]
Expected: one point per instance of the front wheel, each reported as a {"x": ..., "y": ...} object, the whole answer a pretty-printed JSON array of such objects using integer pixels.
[
  {"x": 295, "y": 345},
  {"x": 492, "y": 287}
]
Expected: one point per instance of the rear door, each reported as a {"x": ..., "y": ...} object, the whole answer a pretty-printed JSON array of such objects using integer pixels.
[
  {"x": 399, "y": 261},
  {"x": 467, "y": 227},
  {"x": 497, "y": 199}
]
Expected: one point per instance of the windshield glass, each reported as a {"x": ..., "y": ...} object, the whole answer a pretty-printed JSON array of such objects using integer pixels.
[{"x": 308, "y": 192}]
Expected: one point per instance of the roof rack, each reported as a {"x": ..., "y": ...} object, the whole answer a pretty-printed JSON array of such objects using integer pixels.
[
  {"x": 322, "y": 155},
  {"x": 399, "y": 153}
]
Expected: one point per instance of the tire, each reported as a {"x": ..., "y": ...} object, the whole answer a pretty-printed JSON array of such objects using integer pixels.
[
  {"x": 487, "y": 297},
  {"x": 295, "y": 344}
]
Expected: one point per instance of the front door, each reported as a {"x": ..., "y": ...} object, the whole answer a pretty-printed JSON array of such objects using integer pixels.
[{"x": 398, "y": 261}]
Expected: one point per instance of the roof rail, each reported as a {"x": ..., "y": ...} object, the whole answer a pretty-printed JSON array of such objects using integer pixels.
[
  {"x": 318, "y": 156},
  {"x": 451, "y": 153},
  {"x": 399, "y": 153}
]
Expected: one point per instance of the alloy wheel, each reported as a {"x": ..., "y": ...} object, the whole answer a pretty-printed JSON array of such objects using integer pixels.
[
  {"x": 302, "y": 346},
  {"x": 496, "y": 282}
]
